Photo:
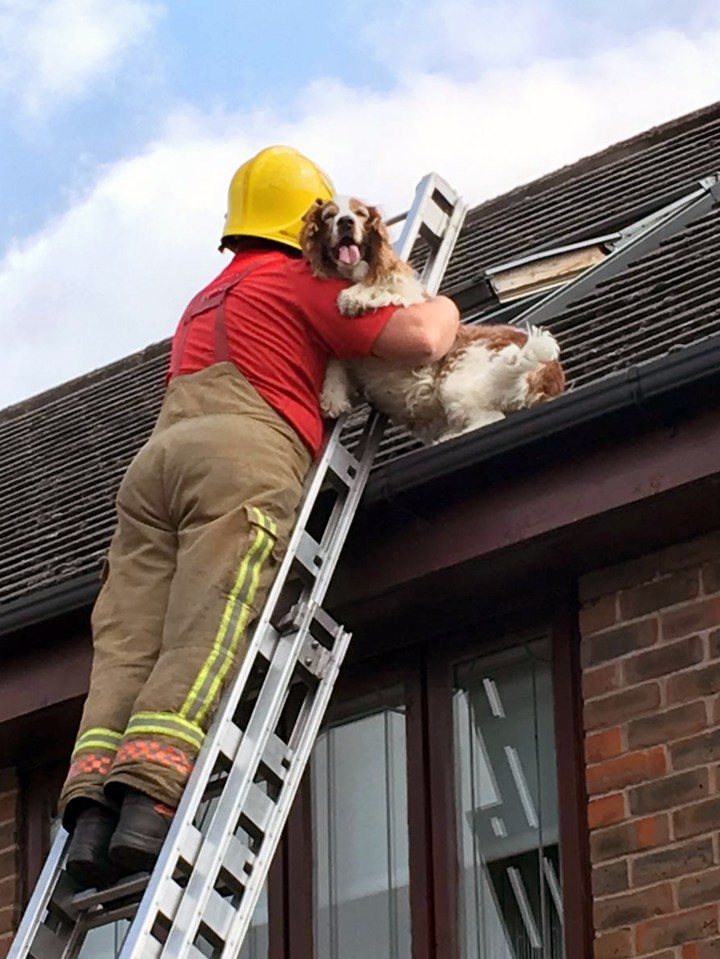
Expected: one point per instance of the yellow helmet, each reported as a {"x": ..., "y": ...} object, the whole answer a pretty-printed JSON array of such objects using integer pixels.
[{"x": 270, "y": 193}]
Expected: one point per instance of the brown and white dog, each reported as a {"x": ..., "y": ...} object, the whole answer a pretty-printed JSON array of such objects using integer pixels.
[{"x": 488, "y": 372}]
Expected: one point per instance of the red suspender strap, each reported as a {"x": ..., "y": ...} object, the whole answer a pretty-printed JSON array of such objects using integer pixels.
[{"x": 204, "y": 301}]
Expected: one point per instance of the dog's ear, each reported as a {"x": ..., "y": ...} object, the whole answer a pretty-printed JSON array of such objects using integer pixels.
[
  {"x": 381, "y": 256},
  {"x": 310, "y": 239}
]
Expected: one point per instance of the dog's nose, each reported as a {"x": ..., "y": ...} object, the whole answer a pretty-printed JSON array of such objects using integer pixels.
[{"x": 345, "y": 223}]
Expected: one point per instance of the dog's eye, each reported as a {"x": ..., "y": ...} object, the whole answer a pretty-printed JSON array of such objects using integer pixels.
[
  {"x": 363, "y": 214},
  {"x": 328, "y": 215}
]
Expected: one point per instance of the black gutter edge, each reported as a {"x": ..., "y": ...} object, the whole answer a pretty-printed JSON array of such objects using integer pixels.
[
  {"x": 49, "y": 603},
  {"x": 632, "y": 388}
]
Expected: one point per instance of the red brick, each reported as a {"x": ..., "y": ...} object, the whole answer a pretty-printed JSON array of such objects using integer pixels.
[
  {"x": 613, "y": 578},
  {"x": 8, "y": 779},
  {"x": 698, "y": 818},
  {"x": 633, "y": 907},
  {"x": 614, "y": 643},
  {"x": 693, "y": 618},
  {"x": 601, "y": 680},
  {"x": 710, "y": 576},
  {"x": 696, "y": 751},
  {"x": 694, "y": 683},
  {"x": 676, "y": 588},
  {"x": 606, "y": 810},
  {"x": 622, "y": 706},
  {"x": 714, "y": 644},
  {"x": 7, "y": 919},
  {"x": 677, "y": 860},
  {"x": 597, "y": 614},
  {"x": 666, "y": 659},
  {"x": 8, "y": 806},
  {"x": 697, "y": 890},
  {"x": 693, "y": 552},
  {"x": 603, "y": 745},
  {"x": 8, "y": 891},
  {"x": 664, "y": 727},
  {"x": 626, "y": 770},
  {"x": 668, "y": 792},
  {"x": 654, "y": 934},
  {"x": 8, "y": 862},
  {"x": 629, "y": 837},
  {"x": 611, "y": 878},
  {"x": 614, "y": 945},
  {"x": 709, "y": 949}
]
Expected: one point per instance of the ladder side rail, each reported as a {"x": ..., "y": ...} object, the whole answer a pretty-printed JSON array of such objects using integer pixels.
[{"x": 35, "y": 910}]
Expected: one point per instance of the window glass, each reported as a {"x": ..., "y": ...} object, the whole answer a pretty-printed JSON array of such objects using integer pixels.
[
  {"x": 362, "y": 903},
  {"x": 510, "y": 884}
]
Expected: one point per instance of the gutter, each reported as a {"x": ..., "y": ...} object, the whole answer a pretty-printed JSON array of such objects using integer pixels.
[{"x": 633, "y": 388}]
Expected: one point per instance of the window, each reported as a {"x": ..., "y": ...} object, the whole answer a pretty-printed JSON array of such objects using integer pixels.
[
  {"x": 361, "y": 874},
  {"x": 507, "y": 806}
]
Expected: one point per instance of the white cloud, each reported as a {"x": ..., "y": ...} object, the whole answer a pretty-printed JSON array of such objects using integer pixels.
[
  {"x": 52, "y": 50},
  {"x": 114, "y": 273}
]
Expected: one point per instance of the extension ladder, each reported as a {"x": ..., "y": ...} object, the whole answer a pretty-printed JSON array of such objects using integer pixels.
[{"x": 201, "y": 895}]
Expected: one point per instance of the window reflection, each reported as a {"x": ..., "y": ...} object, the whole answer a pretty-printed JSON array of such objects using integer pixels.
[
  {"x": 511, "y": 900},
  {"x": 362, "y": 904}
]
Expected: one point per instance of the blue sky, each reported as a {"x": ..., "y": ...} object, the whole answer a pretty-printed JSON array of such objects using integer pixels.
[{"x": 121, "y": 124}]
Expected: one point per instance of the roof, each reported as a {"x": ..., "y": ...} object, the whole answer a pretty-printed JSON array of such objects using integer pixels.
[{"x": 63, "y": 453}]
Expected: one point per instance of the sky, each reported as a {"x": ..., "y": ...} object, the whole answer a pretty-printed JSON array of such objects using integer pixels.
[{"x": 121, "y": 124}]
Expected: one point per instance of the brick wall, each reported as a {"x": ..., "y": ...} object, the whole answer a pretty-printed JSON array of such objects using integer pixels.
[
  {"x": 9, "y": 858},
  {"x": 651, "y": 686}
]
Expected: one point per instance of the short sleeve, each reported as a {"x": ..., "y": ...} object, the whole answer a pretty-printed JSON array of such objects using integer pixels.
[{"x": 344, "y": 336}]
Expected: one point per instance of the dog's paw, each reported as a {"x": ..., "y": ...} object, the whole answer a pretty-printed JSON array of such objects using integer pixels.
[
  {"x": 333, "y": 407},
  {"x": 359, "y": 299}
]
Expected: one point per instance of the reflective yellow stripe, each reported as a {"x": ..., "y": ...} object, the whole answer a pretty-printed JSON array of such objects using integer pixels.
[
  {"x": 98, "y": 738},
  {"x": 244, "y": 589},
  {"x": 166, "y": 724},
  {"x": 239, "y": 630}
]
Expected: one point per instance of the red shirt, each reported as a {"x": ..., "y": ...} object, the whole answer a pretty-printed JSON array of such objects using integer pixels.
[{"x": 282, "y": 325}]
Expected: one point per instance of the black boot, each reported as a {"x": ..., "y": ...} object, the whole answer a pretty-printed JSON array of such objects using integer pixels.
[
  {"x": 88, "y": 862},
  {"x": 141, "y": 831}
]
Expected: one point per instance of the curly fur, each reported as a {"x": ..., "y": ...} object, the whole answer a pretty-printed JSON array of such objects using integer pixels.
[{"x": 489, "y": 371}]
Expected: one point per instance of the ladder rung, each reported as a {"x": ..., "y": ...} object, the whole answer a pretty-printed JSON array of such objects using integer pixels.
[
  {"x": 191, "y": 843},
  {"x": 218, "y": 915},
  {"x": 48, "y": 945},
  {"x": 229, "y": 740},
  {"x": 126, "y": 888},
  {"x": 169, "y": 898},
  {"x": 309, "y": 556},
  {"x": 343, "y": 465},
  {"x": 277, "y": 757},
  {"x": 258, "y": 808},
  {"x": 435, "y": 224},
  {"x": 238, "y": 861}
]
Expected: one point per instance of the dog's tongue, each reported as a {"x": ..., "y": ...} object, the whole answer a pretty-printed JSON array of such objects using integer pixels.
[{"x": 349, "y": 254}]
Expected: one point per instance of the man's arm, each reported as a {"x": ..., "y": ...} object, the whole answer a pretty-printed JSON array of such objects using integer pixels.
[{"x": 418, "y": 334}]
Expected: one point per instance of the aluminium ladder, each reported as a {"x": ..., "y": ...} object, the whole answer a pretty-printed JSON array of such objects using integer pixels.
[{"x": 201, "y": 895}]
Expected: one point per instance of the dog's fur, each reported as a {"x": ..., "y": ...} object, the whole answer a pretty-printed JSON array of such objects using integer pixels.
[{"x": 489, "y": 370}]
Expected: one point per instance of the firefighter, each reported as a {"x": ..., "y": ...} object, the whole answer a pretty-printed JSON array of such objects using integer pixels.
[{"x": 206, "y": 508}]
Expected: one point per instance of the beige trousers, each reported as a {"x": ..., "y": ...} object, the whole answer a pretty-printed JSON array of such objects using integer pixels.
[{"x": 204, "y": 514}]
